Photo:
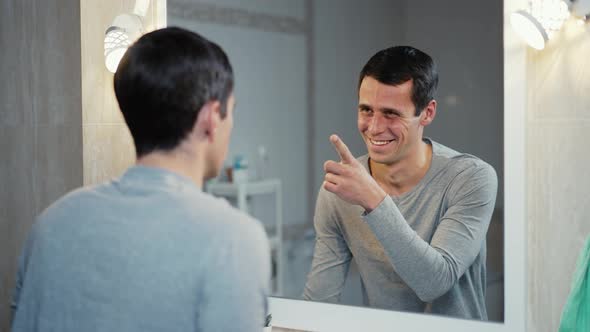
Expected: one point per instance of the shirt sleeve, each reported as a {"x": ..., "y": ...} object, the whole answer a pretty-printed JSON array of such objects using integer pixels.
[
  {"x": 237, "y": 284},
  {"x": 431, "y": 269},
  {"x": 331, "y": 258}
]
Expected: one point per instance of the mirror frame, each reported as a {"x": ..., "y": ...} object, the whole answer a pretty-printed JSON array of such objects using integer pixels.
[{"x": 315, "y": 316}]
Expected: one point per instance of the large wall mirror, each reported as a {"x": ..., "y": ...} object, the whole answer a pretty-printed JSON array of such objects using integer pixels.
[{"x": 296, "y": 64}]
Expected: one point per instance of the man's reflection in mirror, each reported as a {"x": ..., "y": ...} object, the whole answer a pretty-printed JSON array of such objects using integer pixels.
[{"x": 412, "y": 212}]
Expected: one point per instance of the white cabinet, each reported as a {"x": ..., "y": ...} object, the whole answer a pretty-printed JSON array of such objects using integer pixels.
[{"x": 241, "y": 192}]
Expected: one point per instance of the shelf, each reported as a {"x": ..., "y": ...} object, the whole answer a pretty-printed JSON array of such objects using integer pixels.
[{"x": 229, "y": 189}]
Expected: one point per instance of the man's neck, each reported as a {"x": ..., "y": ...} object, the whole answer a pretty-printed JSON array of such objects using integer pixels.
[
  {"x": 177, "y": 162},
  {"x": 400, "y": 177}
]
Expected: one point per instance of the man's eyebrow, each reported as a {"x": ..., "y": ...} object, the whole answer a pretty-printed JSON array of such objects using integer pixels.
[{"x": 382, "y": 110}]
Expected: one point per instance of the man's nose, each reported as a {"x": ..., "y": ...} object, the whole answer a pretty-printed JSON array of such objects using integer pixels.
[{"x": 376, "y": 124}]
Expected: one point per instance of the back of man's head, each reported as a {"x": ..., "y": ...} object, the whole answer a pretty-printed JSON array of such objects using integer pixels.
[
  {"x": 162, "y": 82},
  {"x": 399, "y": 64}
]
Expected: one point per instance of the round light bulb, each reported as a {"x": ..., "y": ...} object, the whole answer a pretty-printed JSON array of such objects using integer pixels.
[
  {"x": 113, "y": 57},
  {"x": 529, "y": 29},
  {"x": 116, "y": 42}
]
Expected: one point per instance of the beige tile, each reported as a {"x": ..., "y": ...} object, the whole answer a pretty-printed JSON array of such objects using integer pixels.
[
  {"x": 558, "y": 77},
  {"x": 558, "y": 204},
  {"x": 108, "y": 151}
]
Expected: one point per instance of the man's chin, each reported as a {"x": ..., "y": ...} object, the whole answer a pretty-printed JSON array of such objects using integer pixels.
[{"x": 381, "y": 159}]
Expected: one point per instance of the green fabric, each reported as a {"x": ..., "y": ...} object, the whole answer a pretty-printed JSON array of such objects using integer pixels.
[{"x": 576, "y": 313}]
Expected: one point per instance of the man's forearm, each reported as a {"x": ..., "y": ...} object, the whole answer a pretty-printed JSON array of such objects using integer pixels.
[{"x": 428, "y": 270}]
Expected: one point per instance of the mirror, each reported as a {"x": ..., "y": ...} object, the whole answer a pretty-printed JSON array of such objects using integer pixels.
[{"x": 296, "y": 65}]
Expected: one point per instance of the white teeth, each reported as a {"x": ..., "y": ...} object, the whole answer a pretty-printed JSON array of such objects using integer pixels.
[{"x": 380, "y": 142}]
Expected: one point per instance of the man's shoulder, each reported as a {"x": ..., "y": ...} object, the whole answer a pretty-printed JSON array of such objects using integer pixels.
[
  {"x": 222, "y": 220},
  {"x": 463, "y": 172},
  {"x": 458, "y": 162},
  {"x": 74, "y": 201},
  {"x": 228, "y": 227},
  {"x": 194, "y": 209}
]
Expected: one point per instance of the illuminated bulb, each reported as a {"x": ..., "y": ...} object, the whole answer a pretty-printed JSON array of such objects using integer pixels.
[
  {"x": 529, "y": 29},
  {"x": 118, "y": 37},
  {"x": 116, "y": 42},
  {"x": 540, "y": 22}
]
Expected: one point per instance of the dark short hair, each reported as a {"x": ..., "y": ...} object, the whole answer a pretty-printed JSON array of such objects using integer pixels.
[
  {"x": 399, "y": 64},
  {"x": 162, "y": 82}
]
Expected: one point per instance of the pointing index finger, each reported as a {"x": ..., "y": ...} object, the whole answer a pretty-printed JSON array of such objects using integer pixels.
[{"x": 342, "y": 149}]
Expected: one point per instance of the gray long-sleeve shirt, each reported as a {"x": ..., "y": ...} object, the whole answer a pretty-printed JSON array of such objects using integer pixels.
[
  {"x": 147, "y": 252},
  {"x": 423, "y": 251}
]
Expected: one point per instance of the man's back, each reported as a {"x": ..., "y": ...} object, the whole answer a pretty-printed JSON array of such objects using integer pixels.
[{"x": 147, "y": 252}]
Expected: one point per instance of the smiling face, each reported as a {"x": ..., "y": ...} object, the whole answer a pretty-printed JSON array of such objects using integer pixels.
[{"x": 387, "y": 120}]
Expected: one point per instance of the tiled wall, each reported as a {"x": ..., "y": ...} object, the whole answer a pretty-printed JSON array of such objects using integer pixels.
[
  {"x": 558, "y": 172},
  {"x": 108, "y": 147},
  {"x": 40, "y": 120},
  {"x": 58, "y": 114}
]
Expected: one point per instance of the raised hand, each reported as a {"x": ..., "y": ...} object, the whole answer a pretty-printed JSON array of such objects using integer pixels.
[{"x": 350, "y": 180}]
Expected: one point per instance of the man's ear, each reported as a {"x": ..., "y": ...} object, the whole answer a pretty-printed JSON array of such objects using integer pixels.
[
  {"x": 208, "y": 119},
  {"x": 428, "y": 113}
]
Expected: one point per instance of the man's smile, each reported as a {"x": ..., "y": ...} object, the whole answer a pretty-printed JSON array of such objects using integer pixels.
[{"x": 380, "y": 142}]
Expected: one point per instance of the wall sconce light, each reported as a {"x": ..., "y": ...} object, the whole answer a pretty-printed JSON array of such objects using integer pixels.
[
  {"x": 543, "y": 18},
  {"x": 125, "y": 29}
]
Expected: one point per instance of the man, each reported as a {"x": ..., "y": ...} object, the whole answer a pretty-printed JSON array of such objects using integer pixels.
[
  {"x": 151, "y": 251},
  {"x": 412, "y": 212}
]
